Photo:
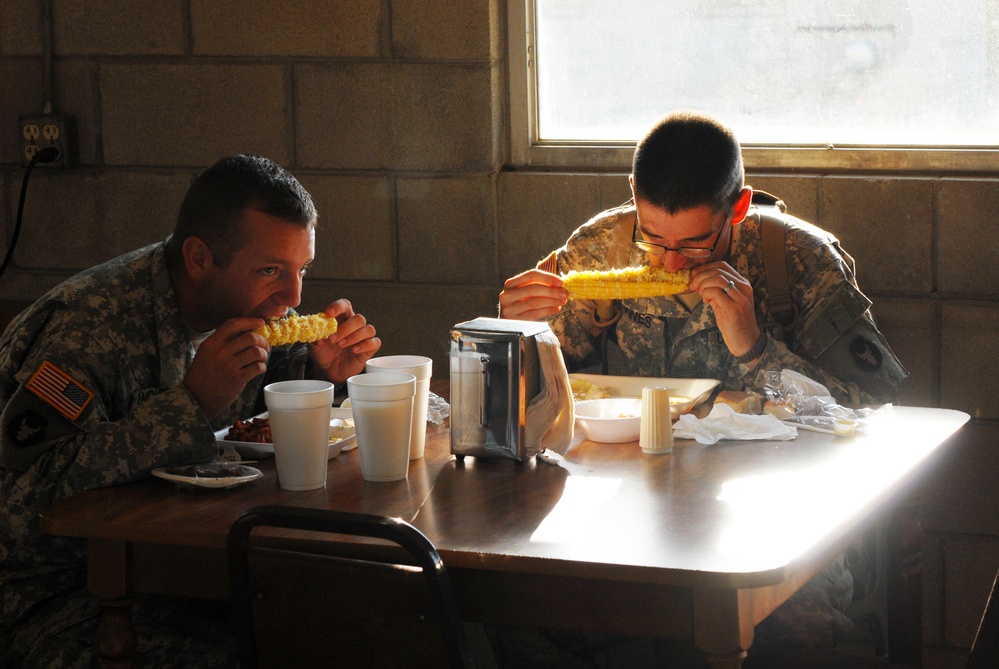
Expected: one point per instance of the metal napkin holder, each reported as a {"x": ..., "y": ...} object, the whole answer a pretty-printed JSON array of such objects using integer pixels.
[{"x": 495, "y": 373}]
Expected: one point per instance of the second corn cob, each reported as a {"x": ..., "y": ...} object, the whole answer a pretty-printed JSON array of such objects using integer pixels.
[
  {"x": 617, "y": 284},
  {"x": 295, "y": 328}
]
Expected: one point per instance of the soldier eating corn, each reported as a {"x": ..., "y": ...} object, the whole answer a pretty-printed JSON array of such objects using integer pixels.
[
  {"x": 716, "y": 297},
  {"x": 133, "y": 365}
]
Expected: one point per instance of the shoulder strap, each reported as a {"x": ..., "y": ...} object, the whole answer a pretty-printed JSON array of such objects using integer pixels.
[{"x": 772, "y": 229}]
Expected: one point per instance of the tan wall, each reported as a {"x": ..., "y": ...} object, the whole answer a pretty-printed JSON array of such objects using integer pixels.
[{"x": 392, "y": 112}]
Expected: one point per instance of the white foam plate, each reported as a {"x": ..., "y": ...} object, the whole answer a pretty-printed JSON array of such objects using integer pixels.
[
  {"x": 341, "y": 427},
  {"x": 211, "y": 475},
  {"x": 685, "y": 394}
]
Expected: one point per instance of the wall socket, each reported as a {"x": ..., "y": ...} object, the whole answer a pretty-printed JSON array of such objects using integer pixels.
[{"x": 40, "y": 130}]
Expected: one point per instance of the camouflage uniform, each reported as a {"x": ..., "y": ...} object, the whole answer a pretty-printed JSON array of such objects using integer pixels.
[
  {"x": 112, "y": 334},
  {"x": 835, "y": 340}
]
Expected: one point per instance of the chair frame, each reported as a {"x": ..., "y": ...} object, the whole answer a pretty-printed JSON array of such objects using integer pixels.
[
  {"x": 394, "y": 530},
  {"x": 985, "y": 649}
]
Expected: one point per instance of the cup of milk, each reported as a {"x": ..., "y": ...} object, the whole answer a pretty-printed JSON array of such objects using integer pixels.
[{"x": 382, "y": 407}]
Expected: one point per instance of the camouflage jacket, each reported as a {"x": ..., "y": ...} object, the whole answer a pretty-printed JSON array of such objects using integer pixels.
[
  {"x": 835, "y": 340},
  {"x": 91, "y": 397}
]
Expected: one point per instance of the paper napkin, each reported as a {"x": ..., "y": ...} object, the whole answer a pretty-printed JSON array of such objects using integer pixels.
[{"x": 724, "y": 423}]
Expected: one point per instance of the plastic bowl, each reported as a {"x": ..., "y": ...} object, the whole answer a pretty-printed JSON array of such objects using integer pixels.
[{"x": 613, "y": 420}]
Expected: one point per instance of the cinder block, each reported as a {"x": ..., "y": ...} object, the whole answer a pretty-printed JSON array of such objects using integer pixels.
[
  {"x": 911, "y": 330},
  {"x": 967, "y": 211},
  {"x": 446, "y": 29},
  {"x": 288, "y": 28},
  {"x": 118, "y": 27},
  {"x": 192, "y": 115},
  {"x": 106, "y": 205},
  {"x": 968, "y": 378},
  {"x": 538, "y": 212},
  {"x": 356, "y": 235},
  {"x": 886, "y": 225},
  {"x": 960, "y": 496},
  {"x": 446, "y": 117},
  {"x": 800, "y": 194},
  {"x": 933, "y": 595},
  {"x": 343, "y": 115},
  {"x": 971, "y": 565},
  {"x": 397, "y": 116},
  {"x": 22, "y": 93},
  {"x": 19, "y": 32},
  {"x": 75, "y": 81},
  {"x": 614, "y": 190},
  {"x": 447, "y": 230}
]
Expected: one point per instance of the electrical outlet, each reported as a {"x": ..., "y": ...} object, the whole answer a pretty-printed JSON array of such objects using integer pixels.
[{"x": 40, "y": 130}]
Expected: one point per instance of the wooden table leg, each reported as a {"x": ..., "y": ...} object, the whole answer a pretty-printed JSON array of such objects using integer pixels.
[
  {"x": 721, "y": 629},
  {"x": 115, "y": 641},
  {"x": 905, "y": 585},
  {"x": 108, "y": 580}
]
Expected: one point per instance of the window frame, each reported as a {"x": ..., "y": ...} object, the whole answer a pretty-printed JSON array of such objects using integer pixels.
[{"x": 527, "y": 150}]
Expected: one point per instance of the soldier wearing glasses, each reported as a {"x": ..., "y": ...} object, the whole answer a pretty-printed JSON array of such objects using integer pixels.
[{"x": 691, "y": 209}]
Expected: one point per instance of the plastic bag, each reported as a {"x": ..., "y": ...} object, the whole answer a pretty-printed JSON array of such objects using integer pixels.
[
  {"x": 804, "y": 401},
  {"x": 437, "y": 409}
]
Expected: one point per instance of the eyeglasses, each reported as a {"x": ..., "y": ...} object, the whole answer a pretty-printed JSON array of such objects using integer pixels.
[{"x": 685, "y": 251}]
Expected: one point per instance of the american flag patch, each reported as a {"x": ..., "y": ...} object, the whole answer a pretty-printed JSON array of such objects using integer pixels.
[{"x": 58, "y": 389}]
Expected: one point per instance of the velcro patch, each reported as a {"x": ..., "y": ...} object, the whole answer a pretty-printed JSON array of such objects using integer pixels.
[
  {"x": 58, "y": 389},
  {"x": 866, "y": 355}
]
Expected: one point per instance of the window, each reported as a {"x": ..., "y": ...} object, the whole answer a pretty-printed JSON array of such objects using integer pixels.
[{"x": 819, "y": 84}]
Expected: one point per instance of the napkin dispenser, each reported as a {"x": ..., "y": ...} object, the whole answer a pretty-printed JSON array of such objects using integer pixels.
[{"x": 495, "y": 373}]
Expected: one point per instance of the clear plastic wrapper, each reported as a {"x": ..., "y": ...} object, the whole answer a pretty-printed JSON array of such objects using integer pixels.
[
  {"x": 798, "y": 400},
  {"x": 437, "y": 409}
]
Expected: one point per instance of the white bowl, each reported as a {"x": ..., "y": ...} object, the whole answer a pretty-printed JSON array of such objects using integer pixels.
[{"x": 613, "y": 420}]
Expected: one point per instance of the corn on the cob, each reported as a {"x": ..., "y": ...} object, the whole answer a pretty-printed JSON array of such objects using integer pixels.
[
  {"x": 617, "y": 284},
  {"x": 295, "y": 328}
]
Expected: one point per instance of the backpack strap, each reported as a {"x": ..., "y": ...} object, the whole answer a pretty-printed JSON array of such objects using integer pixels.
[{"x": 782, "y": 308}]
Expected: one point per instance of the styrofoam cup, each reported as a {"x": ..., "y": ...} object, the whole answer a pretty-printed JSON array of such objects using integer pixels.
[
  {"x": 382, "y": 406},
  {"x": 422, "y": 368},
  {"x": 299, "y": 413}
]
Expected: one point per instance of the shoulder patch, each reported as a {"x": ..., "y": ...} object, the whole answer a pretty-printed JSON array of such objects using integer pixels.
[
  {"x": 866, "y": 355},
  {"x": 58, "y": 389},
  {"x": 27, "y": 429}
]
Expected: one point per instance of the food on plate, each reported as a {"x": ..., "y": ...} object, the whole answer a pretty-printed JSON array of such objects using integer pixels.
[
  {"x": 257, "y": 430},
  {"x": 587, "y": 390},
  {"x": 295, "y": 329},
  {"x": 340, "y": 432},
  {"x": 210, "y": 471},
  {"x": 616, "y": 284},
  {"x": 740, "y": 401}
]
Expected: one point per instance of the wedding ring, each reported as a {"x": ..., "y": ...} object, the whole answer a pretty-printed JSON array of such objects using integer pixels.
[{"x": 730, "y": 286}]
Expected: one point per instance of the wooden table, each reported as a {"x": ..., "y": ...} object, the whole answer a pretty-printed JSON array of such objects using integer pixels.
[{"x": 699, "y": 544}]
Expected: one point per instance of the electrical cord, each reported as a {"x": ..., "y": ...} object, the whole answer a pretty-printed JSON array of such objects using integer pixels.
[{"x": 45, "y": 155}]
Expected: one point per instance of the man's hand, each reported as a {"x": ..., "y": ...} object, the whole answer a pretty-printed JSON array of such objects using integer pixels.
[
  {"x": 732, "y": 304},
  {"x": 343, "y": 355},
  {"x": 532, "y": 296},
  {"x": 225, "y": 363}
]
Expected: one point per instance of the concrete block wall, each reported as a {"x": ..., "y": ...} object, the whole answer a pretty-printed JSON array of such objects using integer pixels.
[{"x": 393, "y": 114}]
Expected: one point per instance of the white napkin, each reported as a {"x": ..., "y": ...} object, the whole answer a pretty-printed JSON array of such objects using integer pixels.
[
  {"x": 551, "y": 414},
  {"x": 724, "y": 423}
]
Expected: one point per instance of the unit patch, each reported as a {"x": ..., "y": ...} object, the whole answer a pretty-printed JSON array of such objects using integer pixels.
[
  {"x": 27, "y": 429},
  {"x": 865, "y": 354}
]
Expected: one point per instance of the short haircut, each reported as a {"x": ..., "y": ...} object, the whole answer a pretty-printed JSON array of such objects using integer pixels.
[
  {"x": 217, "y": 198},
  {"x": 688, "y": 159}
]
